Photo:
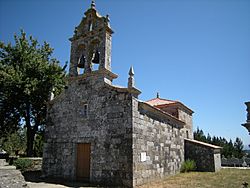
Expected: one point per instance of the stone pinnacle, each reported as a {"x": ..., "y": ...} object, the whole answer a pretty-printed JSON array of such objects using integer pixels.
[
  {"x": 93, "y": 4},
  {"x": 131, "y": 71}
]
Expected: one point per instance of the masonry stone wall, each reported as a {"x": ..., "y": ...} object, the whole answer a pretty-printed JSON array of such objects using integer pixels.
[
  {"x": 158, "y": 146},
  {"x": 107, "y": 127},
  {"x": 184, "y": 116},
  {"x": 188, "y": 128},
  {"x": 206, "y": 156}
]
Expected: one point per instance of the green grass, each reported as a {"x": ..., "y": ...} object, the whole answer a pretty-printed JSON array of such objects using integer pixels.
[{"x": 228, "y": 178}]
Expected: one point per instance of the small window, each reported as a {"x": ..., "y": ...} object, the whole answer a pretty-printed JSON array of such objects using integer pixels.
[
  {"x": 85, "y": 110},
  {"x": 187, "y": 134}
]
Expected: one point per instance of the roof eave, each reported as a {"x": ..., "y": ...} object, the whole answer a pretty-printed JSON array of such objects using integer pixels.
[
  {"x": 177, "y": 104},
  {"x": 161, "y": 112}
]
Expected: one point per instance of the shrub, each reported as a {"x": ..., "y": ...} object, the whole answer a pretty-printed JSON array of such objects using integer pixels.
[
  {"x": 14, "y": 143},
  {"x": 188, "y": 165},
  {"x": 23, "y": 164},
  {"x": 38, "y": 145}
]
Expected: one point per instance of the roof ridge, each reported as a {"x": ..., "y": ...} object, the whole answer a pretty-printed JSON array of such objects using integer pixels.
[{"x": 162, "y": 99}]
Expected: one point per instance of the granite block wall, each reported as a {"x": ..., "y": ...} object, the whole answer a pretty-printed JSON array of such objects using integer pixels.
[
  {"x": 187, "y": 118},
  {"x": 107, "y": 127},
  {"x": 158, "y": 146}
]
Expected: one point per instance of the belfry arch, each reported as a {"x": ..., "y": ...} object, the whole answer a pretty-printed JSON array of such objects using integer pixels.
[
  {"x": 91, "y": 44},
  {"x": 95, "y": 54},
  {"x": 81, "y": 59}
]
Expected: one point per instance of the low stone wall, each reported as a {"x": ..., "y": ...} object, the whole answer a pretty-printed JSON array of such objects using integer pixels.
[
  {"x": 36, "y": 163},
  {"x": 206, "y": 156},
  {"x": 235, "y": 162}
]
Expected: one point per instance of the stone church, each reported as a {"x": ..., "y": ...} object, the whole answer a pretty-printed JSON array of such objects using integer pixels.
[{"x": 104, "y": 134}]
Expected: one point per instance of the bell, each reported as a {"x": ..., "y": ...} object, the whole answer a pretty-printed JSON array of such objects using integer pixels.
[
  {"x": 96, "y": 58},
  {"x": 81, "y": 62}
]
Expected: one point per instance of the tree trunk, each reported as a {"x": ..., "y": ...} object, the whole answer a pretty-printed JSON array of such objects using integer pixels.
[
  {"x": 30, "y": 132},
  {"x": 30, "y": 141}
]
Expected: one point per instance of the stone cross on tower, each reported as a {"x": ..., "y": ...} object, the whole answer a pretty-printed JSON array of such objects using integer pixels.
[{"x": 91, "y": 43}]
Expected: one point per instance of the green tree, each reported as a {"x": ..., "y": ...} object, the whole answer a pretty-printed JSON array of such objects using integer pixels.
[
  {"x": 199, "y": 135},
  {"x": 209, "y": 138},
  {"x": 227, "y": 148},
  {"x": 28, "y": 74},
  {"x": 238, "y": 148}
]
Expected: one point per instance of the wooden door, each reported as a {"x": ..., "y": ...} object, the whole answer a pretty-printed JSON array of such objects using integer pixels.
[{"x": 83, "y": 162}]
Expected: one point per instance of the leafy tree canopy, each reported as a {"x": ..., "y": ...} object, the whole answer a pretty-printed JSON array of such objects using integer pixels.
[{"x": 28, "y": 74}]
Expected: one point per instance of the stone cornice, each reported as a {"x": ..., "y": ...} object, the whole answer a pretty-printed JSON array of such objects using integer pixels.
[
  {"x": 97, "y": 73},
  {"x": 133, "y": 90}
]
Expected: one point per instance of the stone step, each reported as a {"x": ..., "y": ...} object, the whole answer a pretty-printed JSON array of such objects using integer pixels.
[
  {"x": 12, "y": 178},
  {"x": 3, "y": 162},
  {"x": 7, "y": 168}
]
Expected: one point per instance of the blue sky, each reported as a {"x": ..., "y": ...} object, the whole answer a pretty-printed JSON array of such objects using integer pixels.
[{"x": 194, "y": 51}]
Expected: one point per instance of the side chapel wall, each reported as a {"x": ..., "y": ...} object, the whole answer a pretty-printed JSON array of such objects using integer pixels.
[{"x": 158, "y": 147}]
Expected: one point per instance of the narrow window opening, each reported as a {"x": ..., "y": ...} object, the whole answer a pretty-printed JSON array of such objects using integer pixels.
[
  {"x": 187, "y": 134},
  {"x": 85, "y": 110}
]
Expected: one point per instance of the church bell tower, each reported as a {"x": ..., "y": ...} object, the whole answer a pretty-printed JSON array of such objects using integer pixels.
[{"x": 91, "y": 44}]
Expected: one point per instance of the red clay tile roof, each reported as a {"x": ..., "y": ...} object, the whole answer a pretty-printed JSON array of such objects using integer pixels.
[{"x": 159, "y": 101}]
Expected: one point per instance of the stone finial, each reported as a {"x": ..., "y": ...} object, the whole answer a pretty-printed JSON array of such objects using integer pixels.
[
  {"x": 157, "y": 95},
  {"x": 75, "y": 31},
  {"x": 107, "y": 18},
  {"x": 93, "y": 4},
  {"x": 131, "y": 71},
  {"x": 131, "y": 80}
]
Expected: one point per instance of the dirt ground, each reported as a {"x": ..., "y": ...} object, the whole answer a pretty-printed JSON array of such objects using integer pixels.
[
  {"x": 34, "y": 180},
  {"x": 44, "y": 185}
]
